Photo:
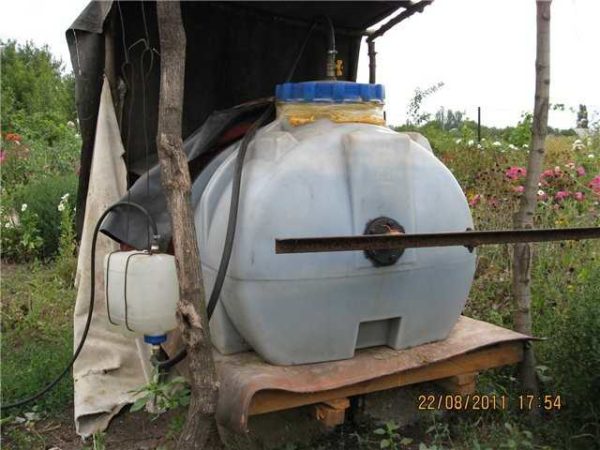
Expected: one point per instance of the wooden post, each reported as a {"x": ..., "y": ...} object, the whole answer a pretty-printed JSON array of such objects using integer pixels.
[
  {"x": 524, "y": 218},
  {"x": 200, "y": 430},
  {"x": 479, "y": 124}
]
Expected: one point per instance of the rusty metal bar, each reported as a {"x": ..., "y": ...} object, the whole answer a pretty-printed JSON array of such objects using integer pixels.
[{"x": 401, "y": 241}]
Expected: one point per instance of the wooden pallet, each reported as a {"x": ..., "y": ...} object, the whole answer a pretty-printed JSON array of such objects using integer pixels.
[
  {"x": 250, "y": 386},
  {"x": 457, "y": 375}
]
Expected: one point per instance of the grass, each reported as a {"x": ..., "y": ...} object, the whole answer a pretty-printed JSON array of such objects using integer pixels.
[{"x": 37, "y": 333}]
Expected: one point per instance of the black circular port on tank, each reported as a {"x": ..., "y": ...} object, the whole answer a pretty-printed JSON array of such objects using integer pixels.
[{"x": 384, "y": 225}]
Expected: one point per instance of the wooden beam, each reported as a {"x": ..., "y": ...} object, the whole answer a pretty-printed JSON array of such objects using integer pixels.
[{"x": 499, "y": 355}]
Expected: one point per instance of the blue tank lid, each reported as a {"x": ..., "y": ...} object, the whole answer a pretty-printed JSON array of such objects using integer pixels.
[{"x": 330, "y": 92}]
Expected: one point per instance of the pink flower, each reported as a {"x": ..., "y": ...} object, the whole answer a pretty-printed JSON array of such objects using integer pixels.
[
  {"x": 475, "y": 200},
  {"x": 514, "y": 173},
  {"x": 580, "y": 171},
  {"x": 579, "y": 196},
  {"x": 548, "y": 173},
  {"x": 561, "y": 195},
  {"x": 557, "y": 171},
  {"x": 595, "y": 184},
  {"x": 519, "y": 189}
]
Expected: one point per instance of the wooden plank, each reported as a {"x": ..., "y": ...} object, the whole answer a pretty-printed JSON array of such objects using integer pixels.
[
  {"x": 332, "y": 413},
  {"x": 495, "y": 356},
  {"x": 460, "y": 384}
]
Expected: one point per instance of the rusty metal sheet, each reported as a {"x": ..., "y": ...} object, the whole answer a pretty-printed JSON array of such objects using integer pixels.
[{"x": 243, "y": 375}]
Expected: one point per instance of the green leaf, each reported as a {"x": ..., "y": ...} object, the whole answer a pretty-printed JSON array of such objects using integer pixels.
[
  {"x": 406, "y": 441},
  {"x": 379, "y": 431},
  {"x": 139, "y": 404},
  {"x": 385, "y": 443}
]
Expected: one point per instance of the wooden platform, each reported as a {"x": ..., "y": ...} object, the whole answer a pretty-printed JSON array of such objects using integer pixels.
[{"x": 250, "y": 386}]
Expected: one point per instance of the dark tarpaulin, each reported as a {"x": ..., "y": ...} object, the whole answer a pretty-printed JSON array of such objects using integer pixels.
[
  {"x": 236, "y": 52},
  {"x": 205, "y": 151}
]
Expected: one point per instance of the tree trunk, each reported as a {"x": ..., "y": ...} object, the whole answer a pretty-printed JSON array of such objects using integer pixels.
[
  {"x": 524, "y": 217},
  {"x": 200, "y": 430}
]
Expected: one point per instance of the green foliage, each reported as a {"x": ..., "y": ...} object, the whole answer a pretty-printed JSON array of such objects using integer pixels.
[
  {"x": 520, "y": 136},
  {"x": 43, "y": 197},
  {"x": 390, "y": 438},
  {"x": 164, "y": 395},
  {"x": 35, "y": 92},
  {"x": 20, "y": 236},
  {"x": 40, "y": 150},
  {"x": 66, "y": 265},
  {"x": 571, "y": 356}
]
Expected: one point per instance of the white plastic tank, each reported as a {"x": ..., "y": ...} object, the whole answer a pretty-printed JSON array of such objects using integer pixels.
[
  {"x": 141, "y": 293},
  {"x": 328, "y": 166}
]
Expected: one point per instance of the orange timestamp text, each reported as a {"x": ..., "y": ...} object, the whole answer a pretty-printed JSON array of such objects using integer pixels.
[{"x": 485, "y": 402}]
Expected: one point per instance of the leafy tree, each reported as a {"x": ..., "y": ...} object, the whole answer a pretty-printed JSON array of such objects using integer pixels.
[
  {"x": 449, "y": 119},
  {"x": 582, "y": 117},
  {"x": 38, "y": 99}
]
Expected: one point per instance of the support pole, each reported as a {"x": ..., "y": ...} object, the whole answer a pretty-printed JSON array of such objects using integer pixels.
[
  {"x": 479, "y": 124},
  {"x": 372, "y": 61}
]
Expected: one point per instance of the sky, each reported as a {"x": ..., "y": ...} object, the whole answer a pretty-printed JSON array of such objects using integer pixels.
[{"x": 482, "y": 50}]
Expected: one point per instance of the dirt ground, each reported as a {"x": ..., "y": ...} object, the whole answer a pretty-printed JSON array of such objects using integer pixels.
[
  {"x": 294, "y": 429},
  {"x": 128, "y": 431}
]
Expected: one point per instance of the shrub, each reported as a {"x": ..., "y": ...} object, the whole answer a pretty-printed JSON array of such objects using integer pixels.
[
  {"x": 43, "y": 197},
  {"x": 21, "y": 240},
  {"x": 572, "y": 356}
]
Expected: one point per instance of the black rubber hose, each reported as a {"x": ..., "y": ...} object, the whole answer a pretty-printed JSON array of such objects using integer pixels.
[
  {"x": 88, "y": 321},
  {"x": 331, "y": 34},
  {"x": 234, "y": 203}
]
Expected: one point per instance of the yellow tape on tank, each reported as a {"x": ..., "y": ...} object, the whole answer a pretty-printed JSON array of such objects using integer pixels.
[{"x": 298, "y": 114}]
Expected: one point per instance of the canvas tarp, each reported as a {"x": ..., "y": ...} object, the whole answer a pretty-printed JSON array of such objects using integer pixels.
[{"x": 110, "y": 365}]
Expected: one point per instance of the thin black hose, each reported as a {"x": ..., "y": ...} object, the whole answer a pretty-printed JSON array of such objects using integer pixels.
[
  {"x": 331, "y": 33},
  {"x": 88, "y": 321}
]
